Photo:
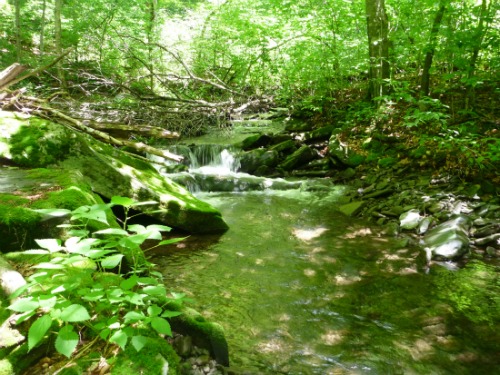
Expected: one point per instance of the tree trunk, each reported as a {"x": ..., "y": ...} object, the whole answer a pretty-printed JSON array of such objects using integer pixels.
[
  {"x": 58, "y": 42},
  {"x": 479, "y": 35},
  {"x": 17, "y": 21},
  {"x": 42, "y": 29},
  {"x": 378, "y": 48},
  {"x": 429, "y": 55}
]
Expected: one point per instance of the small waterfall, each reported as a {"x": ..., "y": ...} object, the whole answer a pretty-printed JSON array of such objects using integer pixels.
[{"x": 213, "y": 159}]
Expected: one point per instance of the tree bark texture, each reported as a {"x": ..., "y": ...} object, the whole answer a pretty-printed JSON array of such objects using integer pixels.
[
  {"x": 429, "y": 54},
  {"x": 378, "y": 47}
]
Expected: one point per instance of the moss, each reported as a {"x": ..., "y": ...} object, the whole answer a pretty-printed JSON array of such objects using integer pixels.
[
  {"x": 150, "y": 360},
  {"x": 39, "y": 143}
]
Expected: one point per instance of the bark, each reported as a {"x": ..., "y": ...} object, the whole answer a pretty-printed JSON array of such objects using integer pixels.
[
  {"x": 145, "y": 130},
  {"x": 429, "y": 55},
  {"x": 378, "y": 47},
  {"x": 42, "y": 29},
  {"x": 8, "y": 75},
  {"x": 17, "y": 21},
  {"x": 138, "y": 146},
  {"x": 10, "y": 279},
  {"x": 58, "y": 41}
]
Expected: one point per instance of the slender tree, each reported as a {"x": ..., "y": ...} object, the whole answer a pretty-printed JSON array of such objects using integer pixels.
[
  {"x": 58, "y": 39},
  {"x": 378, "y": 47},
  {"x": 431, "y": 46}
]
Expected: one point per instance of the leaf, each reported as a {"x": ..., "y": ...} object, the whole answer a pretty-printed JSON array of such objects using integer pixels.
[
  {"x": 112, "y": 261},
  {"x": 122, "y": 201},
  {"x": 158, "y": 290},
  {"x": 154, "y": 310},
  {"x": 24, "y": 305},
  {"x": 47, "y": 302},
  {"x": 78, "y": 245},
  {"x": 74, "y": 313},
  {"x": 170, "y": 314},
  {"x": 38, "y": 330},
  {"x": 137, "y": 228},
  {"x": 66, "y": 341},
  {"x": 35, "y": 252},
  {"x": 133, "y": 316},
  {"x": 116, "y": 231},
  {"x": 172, "y": 240},
  {"x": 50, "y": 244},
  {"x": 53, "y": 212},
  {"x": 161, "y": 325},
  {"x": 120, "y": 338},
  {"x": 49, "y": 266},
  {"x": 129, "y": 283},
  {"x": 138, "y": 342},
  {"x": 158, "y": 227}
]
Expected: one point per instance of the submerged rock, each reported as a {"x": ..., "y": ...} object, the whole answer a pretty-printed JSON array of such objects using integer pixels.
[{"x": 449, "y": 239}]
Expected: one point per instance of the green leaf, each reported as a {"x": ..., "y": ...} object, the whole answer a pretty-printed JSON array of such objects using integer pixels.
[
  {"x": 112, "y": 261},
  {"x": 122, "y": 201},
  {"x": 53, "y": 212},
  {"x": 170, "y": 314},
  {"x": 172, "y": 240},
  {"x": 158, "y": 290},
  {"x": 137, "y": 228},
  {"x": 49, "y": 266},
  {"x": 35, "y": 252},
  {"x": 24, "y": 305},
  {"x": 74, "y": 313},
  {"x": 129, "y": 283},
  {"x": 116, "y": 231},
  {"x": 38, "y": 330},
  {"x": 161, "y": 325},
  {"x": 93, "y": 295},
  {"x": 138, "y": 342},
  {"x": 158, "y": 227},
  {"x": 47, "y": 302},
  {"x": 154, "y": 310},
  {"x": 50, "y": 244},
  {"x": 133, "y": 316},
  {"x": 120, "y": 338},
  {"x": 66, "y": 341}
]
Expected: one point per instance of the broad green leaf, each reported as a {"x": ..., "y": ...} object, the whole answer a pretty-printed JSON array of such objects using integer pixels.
[
  {"x": 136, "y": 299},
  {"x": 158, "y": 227},
  {"x": 129, "y": 283},
  {"x": 112, "y": 261},
  {"x": 145, "y": 203},
  {"x": 93, "y": 295},
  {"x": 154, "y": 310},
  {"x": 25, "y": 316},
  {"x": 120, "y": 338},
  {"x": 49, "y": 266},
  {"x": 104, "y": 334},
  {"x": 79, "y": 245},
  {"x": 133, "y": 316},
  {"x": 20, "y": 291},
  {"x": 53, "y": 212},
  {"x": 161, "y": 325},
  {"x": 74, "y": 313},
  {"x": 116, "y": 231},
  {"x": 24, "y": 305},
  {"x": 158, "y": 290},
  {"x": 135, "y": 239},
  {"x": 170, "y": 314},
  {"x": 47, "y": 302},
  {"x": 172, "y": 240},
  {"x": 50, "y": 244},
  {"x": 138, "y": 342},
  {"x": 38, "y": 330},
  {"x": 66, "y": 341},
  {"x": 122, "y": 201},
  {"x": 137, "y": 228},
  {"x": 35, "y": 252}
]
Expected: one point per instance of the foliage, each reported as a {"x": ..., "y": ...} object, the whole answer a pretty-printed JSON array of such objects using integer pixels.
[{"x": 72, "y": 291}]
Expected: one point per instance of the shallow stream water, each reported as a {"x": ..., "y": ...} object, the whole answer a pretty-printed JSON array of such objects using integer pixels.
[{"x": 301, "y": 289}]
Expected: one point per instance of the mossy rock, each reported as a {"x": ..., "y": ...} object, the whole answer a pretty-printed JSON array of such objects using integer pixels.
[
  {"x": 156, "y": 357},
  {"x": 205, "y": 334}
]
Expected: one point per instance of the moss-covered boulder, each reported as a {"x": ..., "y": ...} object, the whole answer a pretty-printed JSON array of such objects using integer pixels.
[{"x": 30, "y": 142}]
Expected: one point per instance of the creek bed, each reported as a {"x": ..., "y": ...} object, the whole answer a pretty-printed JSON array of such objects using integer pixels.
[{"x": 301, "y": 289}]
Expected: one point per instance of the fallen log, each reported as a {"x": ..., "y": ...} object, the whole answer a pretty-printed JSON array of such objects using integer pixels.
[
  {"x": 9, "y": 74},
  {"x": 138, "y": 146},
  {"x": 146, "y": 130}
]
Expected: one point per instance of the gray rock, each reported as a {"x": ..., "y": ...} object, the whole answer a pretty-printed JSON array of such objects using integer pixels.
[
  {"x": 449, "y": 239},
  {"x": 410, "y": 219}
]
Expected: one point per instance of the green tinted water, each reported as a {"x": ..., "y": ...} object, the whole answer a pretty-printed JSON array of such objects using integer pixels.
[{"x": 301, "y": 289}]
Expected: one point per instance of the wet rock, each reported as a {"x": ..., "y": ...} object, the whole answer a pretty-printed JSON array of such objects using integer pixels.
[
  {"x": 410, "y": 219},
  {"x": 341, "y": 152},
  {"x": 353, "y": 208},
  {"x": 299, "y": 157},
  {"x": 489, "y": 239},
  {"x": 250, "y": 160},
  {"x": 254, "y": 141},
  {"x": 449, "y": 239},
  {"x": 320, "y": 134},
  {"x": 285, "y": 146}
]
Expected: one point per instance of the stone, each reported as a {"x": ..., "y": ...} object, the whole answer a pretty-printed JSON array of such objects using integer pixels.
[
  {"x": 410, "y": 219},
  {"x": 299, "y": 157},
  {"x": 341, "y": 152},
  {"x": 449, "y": 239},
  {"x": 320, "y": 134},
  {"x": 353, "y": 208}
]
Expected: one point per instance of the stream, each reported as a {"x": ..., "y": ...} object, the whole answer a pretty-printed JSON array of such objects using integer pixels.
[{"x": 302, "y": 289}]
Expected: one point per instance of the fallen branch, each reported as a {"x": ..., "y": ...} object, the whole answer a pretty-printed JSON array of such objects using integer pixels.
[
  {"x": 138, "y": 146},
  {"x": 147, "y": 130},
  {"x": 9, "y": 74}
]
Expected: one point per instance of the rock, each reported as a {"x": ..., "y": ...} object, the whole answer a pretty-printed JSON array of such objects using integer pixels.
[
  {"x": 410, "y": 219},
  {"x": 254, "y": 141},
  {"x": 489, "y": 239},
  {"x": 299, "y": 157},
  {"x": 341, "y": 152},
  {"x": 285, "y": 146},
  {"x": 320, "y": 134},
  {"x": 449, "y": 239},
  {"x": 353, "y": 208}
]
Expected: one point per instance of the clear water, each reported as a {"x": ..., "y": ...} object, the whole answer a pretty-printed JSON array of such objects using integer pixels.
[{"x": 301, "y": 289}]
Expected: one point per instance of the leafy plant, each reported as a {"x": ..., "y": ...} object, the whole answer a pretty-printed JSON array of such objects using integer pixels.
[{"x": 72, "y": 290}]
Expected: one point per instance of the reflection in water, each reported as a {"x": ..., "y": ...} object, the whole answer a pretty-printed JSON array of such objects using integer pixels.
[{"x": 301, "y": 289}]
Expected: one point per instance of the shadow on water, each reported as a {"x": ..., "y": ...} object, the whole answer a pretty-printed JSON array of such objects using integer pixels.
[{"x": 301, "y": 289}]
